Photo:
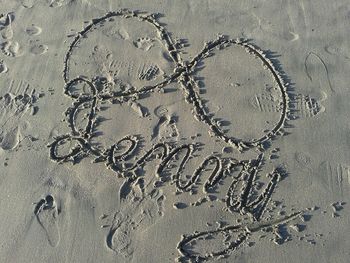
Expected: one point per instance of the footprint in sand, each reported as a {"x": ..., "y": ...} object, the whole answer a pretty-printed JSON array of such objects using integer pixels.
[
  {"x": 320, "y": 86},
  {"x": 317, "y": 72},
  {"x": 46, "y": 213},
  {"x": 11, "y": 49},
  {"x": 119, "y": 239},
  {"x": 144, "y": 43},
  {"x": 39, "y": 49},
  {"x": 6, "y": 31},
  {"x": 58, "y": 3},
  {"x": 33, "y": 30},
  {"x": 11, "y": 139},
  {"x": 306, "y": 106},
  {"x": 139, "y": 211},
  {"x": 3, "y": 67},
  {"x": 28, "y": 3},
  {"x": 52, "y": 3},
  {"x": 9, "y": 46},
  {"x": 6, "y": 20},
  {"x": 18, "y": 101},
  {"x": 166, "y": 126}
]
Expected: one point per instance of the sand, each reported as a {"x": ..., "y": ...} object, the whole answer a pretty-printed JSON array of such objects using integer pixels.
[{"x": 174, "y": 131}]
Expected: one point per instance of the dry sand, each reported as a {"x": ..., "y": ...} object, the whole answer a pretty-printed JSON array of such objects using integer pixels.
[{"x": 174, "y": 131}]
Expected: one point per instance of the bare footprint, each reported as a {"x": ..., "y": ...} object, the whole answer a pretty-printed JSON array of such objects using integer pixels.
[
  {"x": 46, "y": 212},
  {"x": 119, "y": 239},
  {"x": 144, "y": 43},
  {"x": 58, "y": 3},
  {"x": 165, "y": 128},
  {"x": 5, "y": 20},
  {"x": 28, "y": 3},
  {"x": 5, "y": 26},
  {"x": 13, "y": 106},
  {"x": 33, "y": 30},
  {"x": 142, "y": 111},
  {"x": 11, "y": 49},
  {"x": 3, "y": 67},
  {"x": 123, "y": 34},
  {"x": 7, "y": 33},
  {"x": 335, "y": 50},
  {"x": 139, "y": 211},
  {"x": 11, "y": 139},
  {"x": 39, "y": 49}
]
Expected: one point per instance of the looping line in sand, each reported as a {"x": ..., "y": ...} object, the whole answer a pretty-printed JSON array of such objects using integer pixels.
[{"x": 81, "y": 146}]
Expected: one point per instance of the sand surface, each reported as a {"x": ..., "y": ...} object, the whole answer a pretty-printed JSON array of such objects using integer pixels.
[{"x": 174, "y": 131}]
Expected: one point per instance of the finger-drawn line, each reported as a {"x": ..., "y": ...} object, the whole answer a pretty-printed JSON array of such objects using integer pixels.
[
  {"x": 244, "y": 232},
  {"x": 243, "y": 203}
]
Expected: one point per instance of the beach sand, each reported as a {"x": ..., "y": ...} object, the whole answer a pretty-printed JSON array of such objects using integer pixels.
[{"x": 174, "y": 131}]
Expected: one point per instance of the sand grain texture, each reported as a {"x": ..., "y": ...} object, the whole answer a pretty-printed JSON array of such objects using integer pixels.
[{"x": 186, "y": 131}]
